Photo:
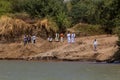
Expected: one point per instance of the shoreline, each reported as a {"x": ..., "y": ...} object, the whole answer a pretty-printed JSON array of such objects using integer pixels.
[{"x": 48, "y": 60}]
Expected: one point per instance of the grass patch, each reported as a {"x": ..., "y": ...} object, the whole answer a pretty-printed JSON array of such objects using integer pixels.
[{"x": 87, "y": 29}]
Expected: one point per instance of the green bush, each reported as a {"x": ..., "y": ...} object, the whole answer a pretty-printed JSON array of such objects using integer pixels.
[
  {"x": 118, "y": 33},
  {"x": 5, "y": 7},
  {"x": 116, "y": 56}
]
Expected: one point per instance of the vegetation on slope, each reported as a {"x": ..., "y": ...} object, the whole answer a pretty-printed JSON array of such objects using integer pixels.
[
  {"x": 67, "y": 14},
  {"x": 11, "y": 28},
  {"x": 83, "y": 29}
]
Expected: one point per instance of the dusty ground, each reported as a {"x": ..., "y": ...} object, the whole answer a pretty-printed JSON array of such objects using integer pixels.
[{"x": 82, "y": 49}]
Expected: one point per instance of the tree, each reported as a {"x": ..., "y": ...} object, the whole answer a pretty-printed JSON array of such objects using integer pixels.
[
  {"x": 103, "y": 12},
  {"x": 44, "y": 8},
  {"x": 63, "y": 21},
  {"x": 5, "y": 7},
  {"x": 38, "y": 8},
  {"x": 73, "y": 2},
  {"x": 83, "y": 11}
]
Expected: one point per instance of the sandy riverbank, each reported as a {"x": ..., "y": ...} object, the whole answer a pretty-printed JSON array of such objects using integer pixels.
[{"x": 81, "y": 50}]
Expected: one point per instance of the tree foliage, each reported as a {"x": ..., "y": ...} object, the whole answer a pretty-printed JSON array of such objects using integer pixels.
[
  {"x": 5, "y": 7},
  {"x": 44, "y": 8},
  {"x": 102, "y": 12}
]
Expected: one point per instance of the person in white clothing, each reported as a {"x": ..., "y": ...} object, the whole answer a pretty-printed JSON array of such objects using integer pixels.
[
  {"x": 50, "y": 39},
  {"x": 73, "y": 37},
  {"x": 69, "y": 37},
  {"x": 56, "y": 37},
  {"x": 34, "y": 39},
  {"x": 95, "y": 44}
]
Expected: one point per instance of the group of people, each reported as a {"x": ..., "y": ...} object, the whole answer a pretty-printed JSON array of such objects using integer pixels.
[
  {"x": 58, "y": 37},
  {"x": 71, "y": 37},
  {"x": 29, "y": 39}
]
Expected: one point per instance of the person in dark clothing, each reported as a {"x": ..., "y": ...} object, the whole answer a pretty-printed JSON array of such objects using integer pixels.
[
  {"x": 25, "y": 40},
  {"x": 29, "y": 39}
]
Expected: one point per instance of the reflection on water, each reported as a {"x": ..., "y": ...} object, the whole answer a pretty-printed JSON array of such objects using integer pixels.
[{"x": 23, "y": 70}]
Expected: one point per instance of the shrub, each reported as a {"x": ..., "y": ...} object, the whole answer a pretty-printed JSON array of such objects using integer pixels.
[{"x": 11, "y": 28}]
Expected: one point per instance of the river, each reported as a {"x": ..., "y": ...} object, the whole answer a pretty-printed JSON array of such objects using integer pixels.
[{"x": 35, "y": 70}]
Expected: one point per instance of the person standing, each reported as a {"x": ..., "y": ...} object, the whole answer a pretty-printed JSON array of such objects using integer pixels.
[
  {"x": 69, "y": 37},
  {"x": 50, "y": 39},
  {"x": 33, "y": 39},
  {"x": 56, "y": 37},
  {"x": 25, "y": 40},
  {"x": 95, "y": 45},
  {"x": 29, "y": 39},
  {"x": 73, "y": 37},
  {"x": 61, "y": 37}
]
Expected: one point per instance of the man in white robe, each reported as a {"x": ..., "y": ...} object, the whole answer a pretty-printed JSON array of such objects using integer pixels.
[
  {"x": 68, "y": 37},
  {"x": 72, "y": 37}
]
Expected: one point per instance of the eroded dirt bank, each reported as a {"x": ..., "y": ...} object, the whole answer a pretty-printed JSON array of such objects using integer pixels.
[{"x": 81, "y": 50}]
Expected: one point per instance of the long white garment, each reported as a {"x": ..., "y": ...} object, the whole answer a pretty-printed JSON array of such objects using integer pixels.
[
  {"x": 72, "y": 37},
  {"x": 56, "y": 37},
  {"x": 68, "y": 37}
]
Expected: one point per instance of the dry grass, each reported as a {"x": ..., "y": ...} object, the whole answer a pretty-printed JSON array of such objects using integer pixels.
[
  {"x": 10, "y": 27},
  {"x": 47, "y": 24},
  {"x": 13, "y": 28}
]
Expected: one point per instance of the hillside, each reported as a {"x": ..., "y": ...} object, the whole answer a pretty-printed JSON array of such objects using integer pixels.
[{"x": 81, "y": 50}]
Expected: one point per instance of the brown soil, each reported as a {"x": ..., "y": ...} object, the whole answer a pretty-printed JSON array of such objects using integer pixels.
[{"x": 82, "y": 49}]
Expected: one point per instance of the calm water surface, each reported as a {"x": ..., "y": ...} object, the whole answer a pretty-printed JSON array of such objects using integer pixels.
[{"x": 23, "y": 70}]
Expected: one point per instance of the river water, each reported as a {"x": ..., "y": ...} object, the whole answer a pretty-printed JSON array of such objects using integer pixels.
[{"x": 25, "y": 70}]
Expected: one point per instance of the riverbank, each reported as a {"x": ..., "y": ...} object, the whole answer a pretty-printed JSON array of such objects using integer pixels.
[{"x": 81, "y": 50}]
